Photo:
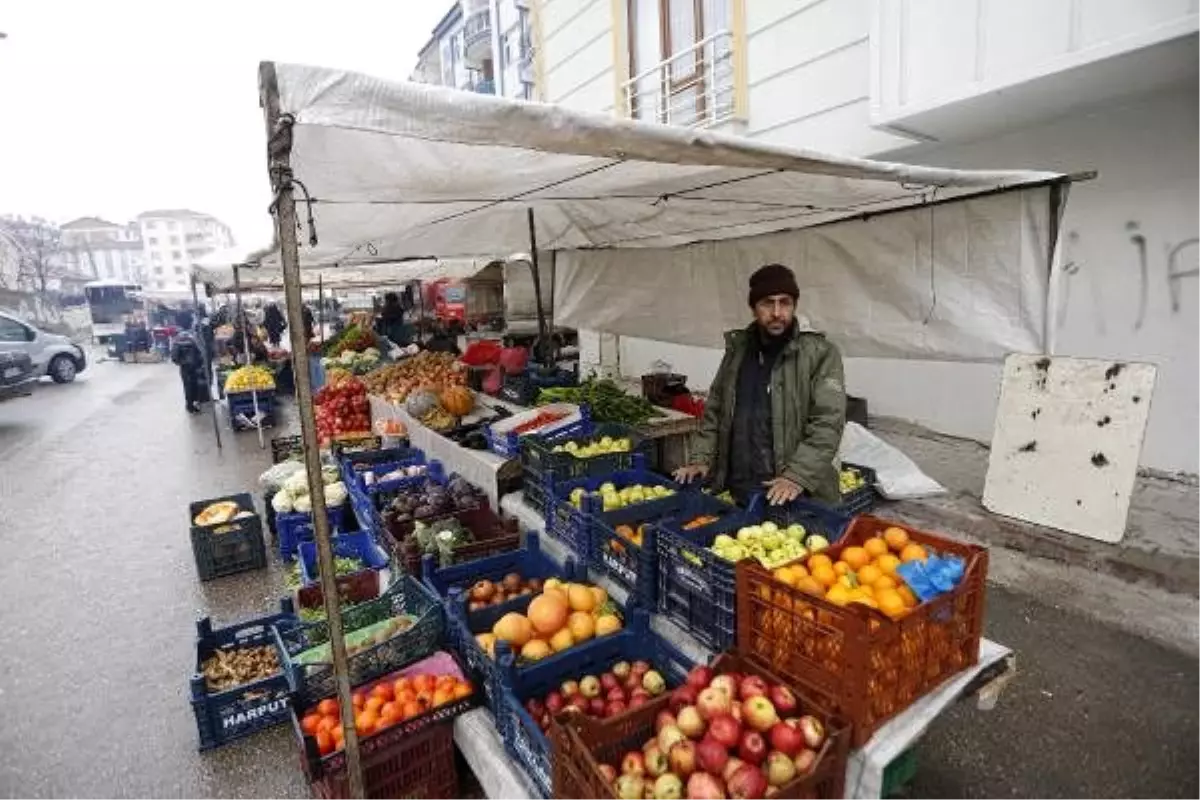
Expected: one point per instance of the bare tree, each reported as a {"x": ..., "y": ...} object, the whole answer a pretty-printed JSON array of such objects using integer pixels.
[{"x": 39, "y": 252}]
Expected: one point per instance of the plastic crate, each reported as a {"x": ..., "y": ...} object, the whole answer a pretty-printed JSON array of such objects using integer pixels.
[
  {"x": 354, "y": 475},
  {"x": 231, "y": 547},
  {"x": 356, "y": 587},
  {"x": 898, "y": 774},
  {"x": 492, "y": 534},
  {"x": 297, "y": 526},
  {"x": 405, "y": 596},
  {"x": 284, "y": 448},
  {"x": 242, "y": 710},
  {"x": 355, "y": 444},
  {"x": 537, "y": 494},
  {"x": 697, "y": 588},
  {"x": 547, "y": 467},
  {"x": 573, "y": 526},
  {"x": 524, "y": 739},
  {"x": 634, "y": 566},
  {"x": 581, "y": 744},
  {"x": 413, "y": 758},
  {"x": 869, "y": 666},
  {"x": 242, "y": 409},
  {"x": 863, "y": 498},
  {"x": 504, "y": 442}
]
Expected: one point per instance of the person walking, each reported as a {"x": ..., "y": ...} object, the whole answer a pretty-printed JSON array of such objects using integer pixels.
[
  {"x": 774, "y": 416},
  {"x": 390, "y": 323},
  {"x": 275, "y": 324},
  {"x": 186, "y": 355}
]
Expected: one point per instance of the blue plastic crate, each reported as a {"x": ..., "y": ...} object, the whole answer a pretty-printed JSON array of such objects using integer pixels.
[
  {"x": 573, "y": 526},
  {"x": 508, "y": 444},
  {"x": 297, "y": 526},
  {"x": 242, "y": 710},
  {"x": 367, "y": 459},
  {"x": 542, "y": 468},
  {"x": 405, "y": 596},
  {"x": 523, "y": 738},
  {"x": 242, "y": 409},
  {"x": 356, "y": 484},
  {"x": 697, "y": 589},
  {"x": 358, "y": 545}
]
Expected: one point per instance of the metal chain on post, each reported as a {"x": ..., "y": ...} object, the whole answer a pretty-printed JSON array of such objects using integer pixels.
[{"x": 278, "y": 154}]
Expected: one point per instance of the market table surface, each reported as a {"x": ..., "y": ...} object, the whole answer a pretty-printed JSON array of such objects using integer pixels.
[{"x": 864, "y": 771}]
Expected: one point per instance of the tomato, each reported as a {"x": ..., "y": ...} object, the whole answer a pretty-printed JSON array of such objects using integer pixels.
[
  {"x": 358, "y": 699},
  {"x": 365, "y": 723},
  {"x": 390, "y": 714},
  {"x": 383, "y": 690},
  {"x": 328, "y": 707},
  {"x": 309, "y": 723},
  {"x": 424, "y": 683},
  {"x": 373, "y": 704},
  {"x": 324, "y": 743}
]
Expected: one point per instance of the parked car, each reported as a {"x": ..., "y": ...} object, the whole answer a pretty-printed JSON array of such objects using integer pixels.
[
  {"x": 17, "y": 375},
  {"x": 51, "y": 353}
]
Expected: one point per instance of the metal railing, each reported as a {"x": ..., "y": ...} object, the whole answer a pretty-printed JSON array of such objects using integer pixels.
[
  {"x": 693, "y": 88},
  {"x": 478, "y": 27}
]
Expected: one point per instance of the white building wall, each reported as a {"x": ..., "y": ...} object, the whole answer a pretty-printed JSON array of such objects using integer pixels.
[{"x": 575, "y": 38}]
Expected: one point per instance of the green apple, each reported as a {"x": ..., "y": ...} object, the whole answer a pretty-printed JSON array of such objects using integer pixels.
[{"x": 816, "y": 543}]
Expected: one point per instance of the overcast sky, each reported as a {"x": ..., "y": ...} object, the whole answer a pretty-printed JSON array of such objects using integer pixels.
[{"x": 113, "y": 107}]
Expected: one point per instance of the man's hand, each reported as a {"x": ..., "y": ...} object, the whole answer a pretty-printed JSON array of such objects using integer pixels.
[
  {"x": 690, "y": 472},
  {"x": 782, "y": 490}
]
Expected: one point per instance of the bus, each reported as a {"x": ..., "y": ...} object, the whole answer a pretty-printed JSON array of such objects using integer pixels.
[{"x": 108, "y": 303}]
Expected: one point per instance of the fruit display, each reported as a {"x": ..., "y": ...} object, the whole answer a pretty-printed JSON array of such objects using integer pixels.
[
  {"x": 722, "y": 735},
  {"x": 850, "y": 480},
  {"x": 438, "y": 419},
  {"x": 358, "y": 363},
  {"x": 623, "y": 687},
  {"x": 250, "y": 378},
  {"x": 562, "y": 616},
  {"x": 612, "y": 498},
  {"x": 539, "y": 420},
  {"x": 770, "y": 544},
  {"x": 353, "y": 338},
  {"x": 341, "y": 408},
  {"x": 358, "y": 641},
  {"x": 433, "y": 371},
  {"x": 484, "y": 593},
  {"x": 430, "y": 498},
  {"x": 865, "y": 574},
  {"x": 608, "y": 401},
  {"x": 597, "y": 447},
  {"x": 228, "y": 667},
  {"x": 386, "y": 703},
  {"x": 458, "y": 400},
  {"x": 294, "y": 493}
]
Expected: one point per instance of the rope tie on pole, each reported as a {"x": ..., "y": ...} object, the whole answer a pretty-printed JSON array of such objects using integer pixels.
[{"x": 279, "y": 147}]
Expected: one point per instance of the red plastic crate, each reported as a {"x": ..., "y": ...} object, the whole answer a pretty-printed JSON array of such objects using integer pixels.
[{"x": 420, "y": 766}]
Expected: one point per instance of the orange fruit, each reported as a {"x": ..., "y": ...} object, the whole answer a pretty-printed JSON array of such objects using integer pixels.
[
  {"x": 581, "y": 597},
  {"x": 390, "y": 713},
  {"x": 373, "y": 704},
  {"x": 824, "y": 575},
  {"x": 799, "y": 571},
  {"x": 581, "y": 625},
  {"x": 841, "y": 568},
  {"x": 443, "y": 696},
  {"x": 562, "y": 640},
  {"x": 411, "y": 709},
  {"x": 875, "y": 547},
  {"x": 328, "y": 707},
  {"x": 839, "y": 595},
  {"x": 365, "y": 723},
  {"x": 548, "y": 612},
  {"x": 913, "y": 552},
  {"x": 883, "y": 582},
  {"x": 817, "y": 561},
  {"x": 887, "y": 563},
  {"x": 535, "y": 650},
  {"x": 609, "y": 623},
  {"x": 810, "y": 585},
  {"x": 896, "y": 538},
  {"x": 868, "y": 574},
  {"x": 856, "y": 557},
  {"x": 600, "y": 594},
  {"x": 891, "y": 603},
  {"x": 906, "y": 594}
]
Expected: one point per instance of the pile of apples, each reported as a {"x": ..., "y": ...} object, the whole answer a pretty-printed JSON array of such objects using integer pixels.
[
  {"x": 623, "y": 687},
  {"x": 727, "y": 735}
]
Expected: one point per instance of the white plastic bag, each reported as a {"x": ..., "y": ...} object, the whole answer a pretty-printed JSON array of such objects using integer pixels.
[{"x": 897, "y": 477}]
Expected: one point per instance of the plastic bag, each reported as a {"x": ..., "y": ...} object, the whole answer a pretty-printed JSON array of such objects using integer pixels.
[
  {"x": 896, "y": 476},
  {"x": 275, "y": 477}
]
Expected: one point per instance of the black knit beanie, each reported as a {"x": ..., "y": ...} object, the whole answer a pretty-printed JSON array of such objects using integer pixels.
[{"x": 772, "y": 279}]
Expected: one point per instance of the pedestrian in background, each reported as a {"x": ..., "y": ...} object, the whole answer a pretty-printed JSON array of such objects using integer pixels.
[
  {"x": 275, "y": 324},
  {"x": 186, "y": 355}
]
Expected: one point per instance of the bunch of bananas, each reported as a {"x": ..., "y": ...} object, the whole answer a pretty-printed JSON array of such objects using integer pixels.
[{"x": 253, "y": 377}]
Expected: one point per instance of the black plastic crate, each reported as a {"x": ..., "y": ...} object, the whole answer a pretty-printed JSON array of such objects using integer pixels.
[
  {"x": 222, "y": 716},
  {"x": 548, "y": 467},
  {"x": 287, "y": 447},
  {"x": 231, "y": 547},
  {"x": 242, "y": 409},
  {"x": 863, "y": 498}
]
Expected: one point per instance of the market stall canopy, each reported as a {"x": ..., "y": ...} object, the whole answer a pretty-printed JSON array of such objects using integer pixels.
[{"x": 657, "y": 227}]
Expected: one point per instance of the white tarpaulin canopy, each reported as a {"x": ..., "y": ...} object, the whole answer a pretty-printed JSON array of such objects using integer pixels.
[{"x": 656, "y": 228}]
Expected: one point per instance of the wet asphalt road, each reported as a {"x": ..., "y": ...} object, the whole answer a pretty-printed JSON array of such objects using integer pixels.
[{"x": 102, "y": 598}]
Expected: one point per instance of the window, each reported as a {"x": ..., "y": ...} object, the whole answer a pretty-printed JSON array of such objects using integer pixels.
[
  {"x": 158, "y": 270},
  {"x": 156, "y": 256},
  {"x": 178, "y": 270},
  {"x": 175, "y": 240},
  {"x": 151, "y": 225},
  {"x": 13, "y": 331},
  {"x": 153, "y": 241},
  {"x": 174, "y": 225},
  {"x": 176, "y": 255}
]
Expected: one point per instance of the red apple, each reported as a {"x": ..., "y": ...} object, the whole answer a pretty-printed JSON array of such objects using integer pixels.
[
  {"x": 663, "y": 719},
  {"x": 690, "y": 722},
  {"x": 668, "y": 787},
  {"x": 736, "y": 713},
  {"x": 683, "y": 696},
  {"x": 655, "y": 759},
  {"x": 634, "y": 763},
  {"x": 614, "y": 707},
  {"x": 632, "y": 683},
  {"x": 668, "y": 737},
  {"x": 608, "y": 772},
  {"x": 682, "y": 758},
  {"x": 621, "y": 669},
  {"x": 786, "y": 738},
  {"x": 813, "y": 730},
  {"x": 535, "y": 707},
  {"x": 630, "y": 786},
  {"x": 711, "y": 755},
  {"x": 725, "y": 729},
  {"x": 578, "y": 704},
  {"x": 780, "y": 768},
  {"x": 569, "y": 688},
  {"x": 616, "y": 693},
  {"x": 639, "y": 700},
  {"x": 726, "y": 684},
  {"x": 731, "y": 766},
  {"x": 752, "y": 748},
  {"x": 700, "y": 677},
  {"x": 589, "y": 687},
  {"x": 654, "y": 683},
  {"x": 752, "y": 686},
  {"x": 784, "y": 700},
  {"x": 702, "y": 786},
  {"x": 804, "y": 761},
  {"x": 608, "y": 682},
  {"x": 713, "y": 701},
  {"x": 759, "y": 713},
  {"x": 554, "y": 702},
  {"x": 596, "y": 706},
  {"x": 748, "y": 782}
]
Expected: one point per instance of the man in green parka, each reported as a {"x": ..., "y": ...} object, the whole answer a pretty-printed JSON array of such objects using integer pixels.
[{"x": 775, "y": 413}]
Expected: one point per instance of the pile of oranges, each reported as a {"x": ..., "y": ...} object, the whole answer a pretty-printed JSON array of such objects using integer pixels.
[
  {"x": 863, "y": 573},
  {"x": 562, "y": 616},
  {"x": 385, "y": 704}
]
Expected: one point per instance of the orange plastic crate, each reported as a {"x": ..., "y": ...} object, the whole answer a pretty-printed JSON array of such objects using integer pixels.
[{"x": 868, "y": 666}]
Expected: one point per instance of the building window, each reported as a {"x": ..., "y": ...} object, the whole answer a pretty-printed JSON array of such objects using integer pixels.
[
  {"x": 151, "y": 225},
  {"x": 176, "y": 255},
  {"x": 158, "y": 270},
  {"x": 173, "y": 225},
  {"x": 178, "y": 270},
  {"x": 153, "y": 241},
  {"x": 175, "y": 240}
]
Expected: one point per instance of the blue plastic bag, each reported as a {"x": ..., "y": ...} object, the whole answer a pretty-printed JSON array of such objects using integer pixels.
[{"x": 933, "y": 577}]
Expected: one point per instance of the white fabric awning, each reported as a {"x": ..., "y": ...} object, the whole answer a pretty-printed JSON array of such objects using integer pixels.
[
  {"x": 405, "y": 170},
  {"x": 268, "y": 277}
]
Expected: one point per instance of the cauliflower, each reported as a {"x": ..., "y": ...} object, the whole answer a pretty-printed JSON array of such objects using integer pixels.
[
  {"x": 282, "y": 503},
  {"x": 335, "y": 494},
  {"x": 303, "y": 504},
  {"x": 297, "y": 485},
  {"x": 330, "y": 475}
]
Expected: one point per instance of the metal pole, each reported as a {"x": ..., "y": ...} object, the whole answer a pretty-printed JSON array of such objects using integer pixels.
[
  {"x": 321, "y": 308},
  {"x": 208, "y": 374},
  {"x": 279, "y": 135},
  {"x": 543, "y": 336},
  {"x": 237, "y": 289}
]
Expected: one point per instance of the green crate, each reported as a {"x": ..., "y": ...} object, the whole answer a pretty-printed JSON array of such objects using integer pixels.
[{"x": 898, "y": 774}]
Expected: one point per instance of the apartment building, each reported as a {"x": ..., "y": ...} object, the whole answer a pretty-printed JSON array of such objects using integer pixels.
[
  {"x": 103, "y": 250},
  {"x": 1069, "y": 85},
  {"x": 173, "y": 241},
  {"x": 481, "y": 46}
]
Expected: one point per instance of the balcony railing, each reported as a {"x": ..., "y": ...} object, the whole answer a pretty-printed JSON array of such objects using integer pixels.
[
  {"x": 694, "y": 88},
  {"x": 477, "y": 37},
  {"x": 480, "y": 86}
]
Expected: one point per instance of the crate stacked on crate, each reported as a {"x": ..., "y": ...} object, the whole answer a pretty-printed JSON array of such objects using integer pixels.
[
  {"x": 871, "y": 657},
  {"x": 238, "y": 687},
  {"x": 620, "y": 674},
  {"x": 583, "y": 451},
  {"x": 405, "y": 725},
  {"x": 504, "y": 437},
  {"x": 479, "y": 592},
  {"x": 293, "y": 528},
  {"x": 857, "y": 485},
  {"x": 577, "y": 503},
  {"x": 226, "y": 536},
  {"x": 360, "y": 565},
  {"x": 697, "y": 588},
  {"x": 252, "y": 409},
  {"x": 370, "y": 472},
  {"x": 733, "y": 730}
]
